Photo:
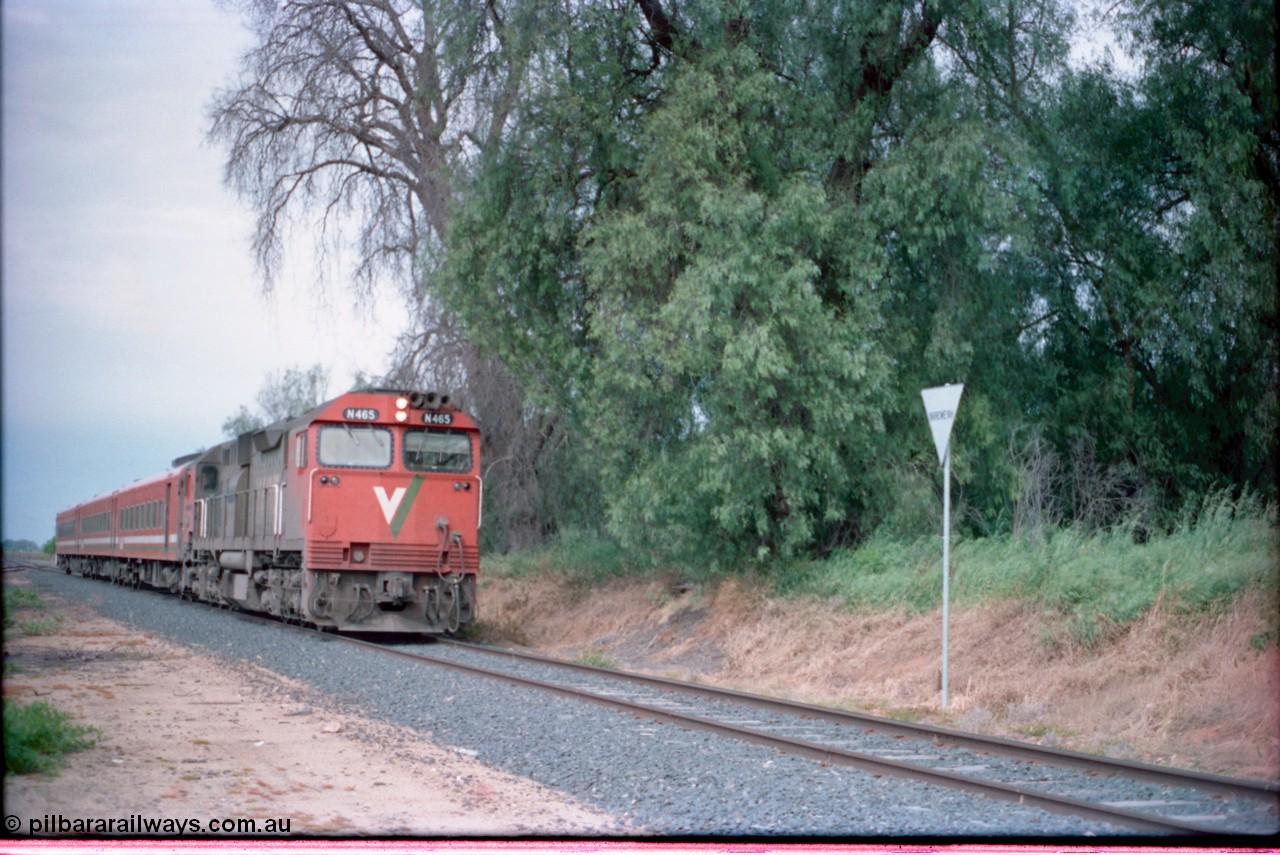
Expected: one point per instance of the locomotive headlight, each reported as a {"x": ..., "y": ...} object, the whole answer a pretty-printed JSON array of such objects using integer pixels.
[
  {"x": 401, "y": 403},
  {"x": 357, "y": 555},
  {"x": 401, "y": 415}
]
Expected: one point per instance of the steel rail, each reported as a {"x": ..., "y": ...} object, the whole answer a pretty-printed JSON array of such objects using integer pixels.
[
  {"x": 829, "y": 754},
  {"x": 939, "y": 736}
]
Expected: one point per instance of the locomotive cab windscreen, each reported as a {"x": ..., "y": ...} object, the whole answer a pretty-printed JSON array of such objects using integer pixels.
[
  {"x": 437, "y": 451},
  {"x": 355, "y": 446}
]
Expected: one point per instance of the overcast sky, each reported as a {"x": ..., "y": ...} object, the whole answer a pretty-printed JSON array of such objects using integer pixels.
[{"x": 133, "y": 319}]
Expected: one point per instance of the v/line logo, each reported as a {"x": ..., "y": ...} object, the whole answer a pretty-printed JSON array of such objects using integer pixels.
[
  {"x": 389, "y": 504},
  {"x": 396, "y": 507}
]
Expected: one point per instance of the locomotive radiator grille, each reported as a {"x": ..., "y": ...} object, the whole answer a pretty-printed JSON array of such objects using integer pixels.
[
  {"x": 400, "y": 556},
  {"x": 324, "y": 555},
  {"x": 389, "y": 556}
]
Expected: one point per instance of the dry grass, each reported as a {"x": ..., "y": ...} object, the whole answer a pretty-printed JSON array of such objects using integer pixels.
[{"x": 1198, "y": 694}]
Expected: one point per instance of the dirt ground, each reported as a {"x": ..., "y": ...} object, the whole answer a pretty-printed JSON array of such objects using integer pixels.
[
  {"x": 1199, "y": 694},
  {"x": 188, "y": 736},
  {"x": 184, "y": 736}
]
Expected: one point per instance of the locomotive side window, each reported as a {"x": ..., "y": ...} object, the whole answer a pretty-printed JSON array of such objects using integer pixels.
[
  {"x": 363, "y": 447},
  {"x": 437, "y": 451}
]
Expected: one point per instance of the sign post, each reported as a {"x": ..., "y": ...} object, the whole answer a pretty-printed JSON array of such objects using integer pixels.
[{"x": 940, "y": 405}]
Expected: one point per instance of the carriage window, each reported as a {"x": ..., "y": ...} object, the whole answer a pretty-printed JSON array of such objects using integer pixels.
[
  {"x": 364, "y": 447},
  {"x": 437, "y": 451}
]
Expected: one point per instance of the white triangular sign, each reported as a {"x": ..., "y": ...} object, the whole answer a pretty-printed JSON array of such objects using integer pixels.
[{"x": 940, "y": 405}]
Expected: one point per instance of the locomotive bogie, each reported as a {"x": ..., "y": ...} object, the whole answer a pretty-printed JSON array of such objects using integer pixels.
[{"x": 359, "y": 516}]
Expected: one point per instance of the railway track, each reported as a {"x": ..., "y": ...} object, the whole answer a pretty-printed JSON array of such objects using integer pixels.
[
  {"x": 16, "y": 564},
  {"x": 1141, "y": 798}
]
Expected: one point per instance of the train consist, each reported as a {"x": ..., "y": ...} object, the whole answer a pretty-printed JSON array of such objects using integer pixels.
[{"x": 361, "y": 516}]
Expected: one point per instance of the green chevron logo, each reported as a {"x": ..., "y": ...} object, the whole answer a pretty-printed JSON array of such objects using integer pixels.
[{"x": 396, "y": 507}]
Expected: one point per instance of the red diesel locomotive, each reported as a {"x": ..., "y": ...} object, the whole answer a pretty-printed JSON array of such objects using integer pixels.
[{"x": 361, "y": 515}]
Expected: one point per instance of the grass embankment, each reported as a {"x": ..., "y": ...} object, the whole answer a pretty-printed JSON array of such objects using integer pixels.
[
  {"x": 1163, "y": 650},
  {"x": 36, "y": 735},
  {"x": 1093, "y": 584},
  {"x": 1096, "y": 583}
]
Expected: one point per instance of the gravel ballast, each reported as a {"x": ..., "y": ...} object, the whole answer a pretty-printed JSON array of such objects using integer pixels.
[{"x": 659, "y": 778}]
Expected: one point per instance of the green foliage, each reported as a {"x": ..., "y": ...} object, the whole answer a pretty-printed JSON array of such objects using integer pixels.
[
  {"x": 596, "y": 660},
  {"x": 22, "y": 545},
  {"x": 1159, "y": 205},
  {"x": 283, "y": 396},
  {"x": 728, "y": 390},
  {"x": 578, "y": 554},
  {"x": 724, "y": 250},
  {"x": 46, "y": 626},
  {"x": 722, "y": 246},
  {"x": 1095, "y": 583},
  {"x": 38, "y": 735},
  {"x": 19, "y": 598}
]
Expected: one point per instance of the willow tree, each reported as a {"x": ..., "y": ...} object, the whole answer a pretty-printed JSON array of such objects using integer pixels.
[
  {"x": 364, "y": 112},
  {"x": 1159, "y": 222},
  {"x": 355, "y": 121},
  {"x": 724, "y": 235}
]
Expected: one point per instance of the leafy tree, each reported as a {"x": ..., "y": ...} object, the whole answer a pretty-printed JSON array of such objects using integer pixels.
[
  {"x": 20, "y": 545},
  {"x": 1213, "y": 77},
  {"x": 729, "y": 392},
  {"x": 695, "y": 260},
  {"x": 711, "y": 238},
  {"x": 366, "y": 110},
  {"x": 283, "y": 396},
  {"x": 1158, "y": 335}
]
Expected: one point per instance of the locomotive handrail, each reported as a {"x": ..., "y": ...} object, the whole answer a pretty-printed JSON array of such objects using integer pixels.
[{"x": 311, "y": 488}]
